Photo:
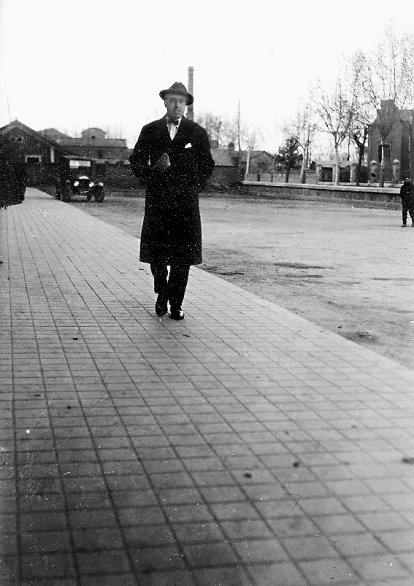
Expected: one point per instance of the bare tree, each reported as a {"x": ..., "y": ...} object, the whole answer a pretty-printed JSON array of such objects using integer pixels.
[
  {"x": 335, "y": 106},
  {"x": 333, "y": 113},
  {"x": 249, "y": 138},
  {"x": 387, "y": 78},
  {"x": 213, "y": 125},
  {"x": 239, "y": 133},
  {"x": 363, "y": 112},
  {"x": 305, "y": 130},
  {"x": 228, "y": 130}
]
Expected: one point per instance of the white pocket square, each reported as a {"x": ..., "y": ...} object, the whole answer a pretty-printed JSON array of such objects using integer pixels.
[{"x": 188, "y": 145}]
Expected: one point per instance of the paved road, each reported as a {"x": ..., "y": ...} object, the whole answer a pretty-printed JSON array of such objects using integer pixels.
[
  {"x": 347, "y": 269},
  {"x": 232, "y": 448}
]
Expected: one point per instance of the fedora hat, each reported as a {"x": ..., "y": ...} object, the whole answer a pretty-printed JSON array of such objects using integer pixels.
[{"x": 180, "y": 89}]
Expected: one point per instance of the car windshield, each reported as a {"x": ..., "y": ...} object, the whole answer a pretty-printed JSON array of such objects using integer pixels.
[{"x": 78, "y": 165}]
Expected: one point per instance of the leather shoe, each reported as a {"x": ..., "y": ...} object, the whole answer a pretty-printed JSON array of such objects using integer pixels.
[
  {"x": 161, "y": 307},
  {"x": 177, "y": 314}
]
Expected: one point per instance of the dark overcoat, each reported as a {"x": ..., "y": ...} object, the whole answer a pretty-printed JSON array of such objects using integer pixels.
[
  {"x": 407, "y": 193},
  {"x": 12, "y": 184},
  {"x": 171, "y": 229}
]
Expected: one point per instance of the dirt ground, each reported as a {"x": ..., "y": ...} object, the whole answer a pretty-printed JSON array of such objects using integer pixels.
[{"x": 347, "y": 269}]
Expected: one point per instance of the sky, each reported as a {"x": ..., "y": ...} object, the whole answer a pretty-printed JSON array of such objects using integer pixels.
[{"x": 76, "y": 64}]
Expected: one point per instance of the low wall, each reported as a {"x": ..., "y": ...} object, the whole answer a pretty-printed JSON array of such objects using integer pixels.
[
  {"x": 294, "y": 177},
  {"x": 383, "y": 195},
  {"x": 120, "y": 177}
]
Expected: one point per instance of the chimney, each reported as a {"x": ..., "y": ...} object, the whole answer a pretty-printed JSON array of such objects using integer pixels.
[{"x": 190, "y": 109}]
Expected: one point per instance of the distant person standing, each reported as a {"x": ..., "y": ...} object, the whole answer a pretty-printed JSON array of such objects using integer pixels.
[
  {"x": 172, "y": 157},
  {"x": 407, "y": 201},
  {"x": 13, "y": 177}
]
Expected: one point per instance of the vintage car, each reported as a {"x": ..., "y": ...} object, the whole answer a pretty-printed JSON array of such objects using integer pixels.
[{"x": 80, "y": 176}]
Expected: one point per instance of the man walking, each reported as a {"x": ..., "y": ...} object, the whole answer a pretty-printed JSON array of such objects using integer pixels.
[
  {"x": 407, "y": 201},
  {"x": 172, "y": 158}
]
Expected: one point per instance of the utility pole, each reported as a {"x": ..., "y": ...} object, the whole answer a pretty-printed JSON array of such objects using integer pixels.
[
  {"x": 190, "y": 109},
  {"x": 246, "y": 171},
  {"x": 238, "y": 128}
]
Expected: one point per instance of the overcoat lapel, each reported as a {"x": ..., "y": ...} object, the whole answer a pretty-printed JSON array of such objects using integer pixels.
[
  {"x": 182, "y": 128},
  {"x": 163, "y": 129}
]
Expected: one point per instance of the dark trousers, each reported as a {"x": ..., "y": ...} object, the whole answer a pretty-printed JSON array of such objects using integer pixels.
[
  {"x": 172, "y": 285},
  {"x": 407, "y": 207}
]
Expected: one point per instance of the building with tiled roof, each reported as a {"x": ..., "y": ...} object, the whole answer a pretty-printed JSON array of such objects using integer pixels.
[
  {"x": 226, "y": 170},
  {"x": 39, "y": 154},
  {"x": 93, "y": 142},
  {"x": 259, "y": 161},
  {"x": 53, "y": 134}
]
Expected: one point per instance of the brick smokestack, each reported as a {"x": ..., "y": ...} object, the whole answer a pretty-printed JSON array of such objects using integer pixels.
[{"x": 190, "y": 109}]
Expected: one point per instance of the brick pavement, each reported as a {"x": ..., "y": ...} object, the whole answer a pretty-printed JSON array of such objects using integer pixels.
[{"x": 243, "y": 445}]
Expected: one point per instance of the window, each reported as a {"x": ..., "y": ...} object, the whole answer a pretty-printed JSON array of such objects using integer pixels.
[
  {"x": 33, "y": 159},
  {"x": 385, "y": 150}
]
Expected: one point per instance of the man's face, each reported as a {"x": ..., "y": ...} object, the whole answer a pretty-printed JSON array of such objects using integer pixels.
[{"x": 175, "y": 105}]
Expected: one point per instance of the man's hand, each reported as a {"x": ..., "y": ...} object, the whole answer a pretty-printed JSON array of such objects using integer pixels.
[{"x": 162, "y": 164}]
